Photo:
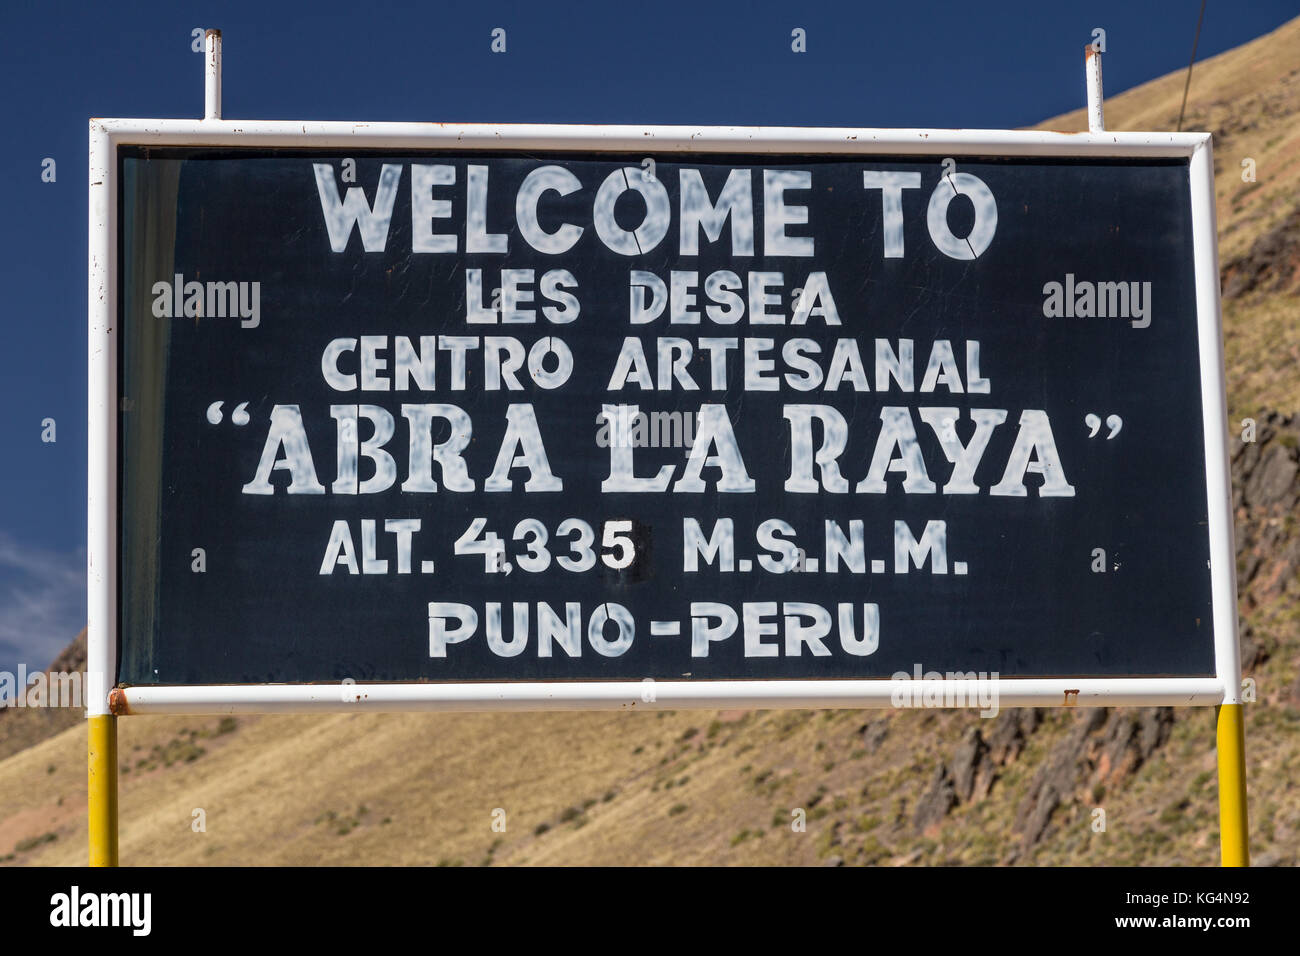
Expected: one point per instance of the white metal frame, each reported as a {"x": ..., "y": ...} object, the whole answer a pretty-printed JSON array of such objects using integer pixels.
[{"x": 106, "y": 135}]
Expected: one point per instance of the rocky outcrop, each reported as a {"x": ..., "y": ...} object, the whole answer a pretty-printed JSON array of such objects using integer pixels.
[
  {"x": 1271, "y": 266},
  {"x": 1011, "y": 730},
  {"x": 1102, "y": 750},
  {"x": 1266, "y": 506},
  {"x": 972, "y": 772},
  {"x": 873, "y": 733},
  {"x": 939, "y": 799},
  {"x": 969, "y": 775}
]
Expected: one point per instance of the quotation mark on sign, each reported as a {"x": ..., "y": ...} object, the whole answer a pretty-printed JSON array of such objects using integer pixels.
[
  {"x": 1113, "y": 422},
  {"x": 239, "y": 416}
]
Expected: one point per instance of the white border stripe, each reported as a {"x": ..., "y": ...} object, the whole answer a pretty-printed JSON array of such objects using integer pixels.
[
  {"x": 686, "y": 139},
  {"x": 101, "y": 451},
  {"x": 672, "y": 695},
  {"x": 1214, "y": 412}
]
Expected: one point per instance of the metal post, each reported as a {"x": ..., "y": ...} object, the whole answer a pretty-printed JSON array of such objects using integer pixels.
[
  {"x": 1092, "y": 67},
  {"x": 212, "y": 75},
  {"x": 1234, "y": 842},
  {"x": 101, "y": 795}
]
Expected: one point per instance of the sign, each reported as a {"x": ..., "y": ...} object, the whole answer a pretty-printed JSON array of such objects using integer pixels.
[{"x": 750, "y": 413}]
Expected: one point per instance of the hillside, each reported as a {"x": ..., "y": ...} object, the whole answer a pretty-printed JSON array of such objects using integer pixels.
[
  {"x": 911, "y": 787},
  {"x": 20, "y": 728}
]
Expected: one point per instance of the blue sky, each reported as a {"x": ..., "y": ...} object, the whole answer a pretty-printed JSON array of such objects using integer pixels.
[{"x": 992, "y": 65}]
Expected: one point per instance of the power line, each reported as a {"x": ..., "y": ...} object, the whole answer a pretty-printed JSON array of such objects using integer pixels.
[{"x": 1188, "y": 85}]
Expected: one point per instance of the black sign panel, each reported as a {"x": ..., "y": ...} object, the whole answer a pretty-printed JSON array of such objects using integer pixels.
[{"x": 470, "y": 417}]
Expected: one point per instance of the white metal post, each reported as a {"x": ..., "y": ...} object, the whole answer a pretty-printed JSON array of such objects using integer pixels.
[
  {"x": 101, "y": 456},
  {"x": 212, "y": 75},
  {"x": 1092, "y": 67}
]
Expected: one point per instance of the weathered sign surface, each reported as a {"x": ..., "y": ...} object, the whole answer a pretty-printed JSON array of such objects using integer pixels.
[{"x": 468, "y": 416}]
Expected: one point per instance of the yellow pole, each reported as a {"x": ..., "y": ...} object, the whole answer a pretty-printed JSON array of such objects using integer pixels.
[
  {"x": 1233, "y": 830},
  {"x": 102, "y": 789}
]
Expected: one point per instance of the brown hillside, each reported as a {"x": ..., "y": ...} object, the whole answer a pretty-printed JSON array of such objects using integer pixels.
[{"x": 21, "y": 727}]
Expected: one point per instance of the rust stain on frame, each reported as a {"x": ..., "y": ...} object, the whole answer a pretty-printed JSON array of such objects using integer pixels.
[{"x": 117, "y": 703}]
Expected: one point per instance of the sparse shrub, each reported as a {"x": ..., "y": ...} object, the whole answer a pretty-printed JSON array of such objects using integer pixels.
[{"x": 32, "y": 843}]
